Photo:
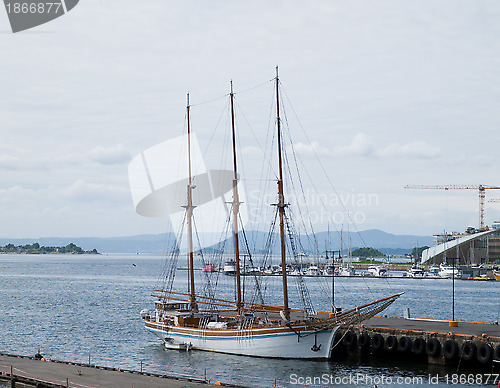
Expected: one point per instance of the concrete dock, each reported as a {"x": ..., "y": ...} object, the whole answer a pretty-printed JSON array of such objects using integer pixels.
[
  {"x": 432, "y": 341},
  {"x": 469, "y": 344},
  {"x": 29, "y": 372}
]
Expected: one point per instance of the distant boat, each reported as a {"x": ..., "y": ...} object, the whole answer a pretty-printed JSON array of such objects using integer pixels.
[
  {"x": 347, "y": 271},
  {"x": 209, "y": 268},
  {"x": 229, "y": 268},
  {"x": 433, "y": 271},
  {"x": 313, "y": 270},
  {"x": 377, "y": 270},
  {"x": 416, "y": 271},
  {"x": 448, "y": 272},
  {"x": 496, "y": 274}
]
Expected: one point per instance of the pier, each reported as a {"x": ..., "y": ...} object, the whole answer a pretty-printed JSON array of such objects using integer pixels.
[
  {"x": 23, "y": 371},
  {"x": 429, "y": 341},
  {"x": 468, "y": 345}
]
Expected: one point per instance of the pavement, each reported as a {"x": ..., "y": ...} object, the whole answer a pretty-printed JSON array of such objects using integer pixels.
[
  {"x": 77, "y": 376},
  {"x": 434, "y": 326}
]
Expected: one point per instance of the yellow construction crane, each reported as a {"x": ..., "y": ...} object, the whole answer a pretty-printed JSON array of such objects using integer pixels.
[{"x": 482, "y": 194}]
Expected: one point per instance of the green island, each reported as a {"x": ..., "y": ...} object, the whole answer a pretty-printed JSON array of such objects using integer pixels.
[
  {"x": 367, "y": 252},
  {"x": 35, "y": 248}
]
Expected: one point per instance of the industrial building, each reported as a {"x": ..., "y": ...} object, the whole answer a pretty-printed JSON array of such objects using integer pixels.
[{"x": 472, "y": 248}]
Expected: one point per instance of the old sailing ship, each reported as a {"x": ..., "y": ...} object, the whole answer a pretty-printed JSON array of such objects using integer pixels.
[{"x": 187, "y": 320}]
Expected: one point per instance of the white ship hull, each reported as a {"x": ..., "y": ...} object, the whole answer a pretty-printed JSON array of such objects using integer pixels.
[{"x": 267, "y": 342}]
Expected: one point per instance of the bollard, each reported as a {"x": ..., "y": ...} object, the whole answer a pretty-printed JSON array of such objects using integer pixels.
[
  {"x": 141, "y": 366},
  {"x": 89, "y": 359}
]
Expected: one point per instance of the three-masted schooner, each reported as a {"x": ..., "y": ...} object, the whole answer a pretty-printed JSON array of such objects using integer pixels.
[{"x": 237, "y": 326}]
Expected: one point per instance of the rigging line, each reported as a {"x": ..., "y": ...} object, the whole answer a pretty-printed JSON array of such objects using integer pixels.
[
  {"x": 267, "y": 252},
  {"x": 266, "y": 159},
  {"x": 209, "y": 101},
  {"x": 301, "y": 216},
  {"x": 227, "y": 94},
  {"x": 256, "y": 87},
  {"x": 301, "y": 187},
  {"x": 321, "y": 165},
  {"x": 174, "y": 256},
  {"x": 301, "y": 286},
  {"x": 221, "y": 248},
  {"x": 208, "y": 286},
  {"x": 265, "y": 166},
  {"x": 224, "y": 110},
  {"x": 256, "y": 279}
]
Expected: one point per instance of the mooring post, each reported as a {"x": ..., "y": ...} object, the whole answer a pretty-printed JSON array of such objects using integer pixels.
[
  {"x": 89, "y": 359},
  {"x": 67, "y": 382},
  {"x": 141, "y": 366}
]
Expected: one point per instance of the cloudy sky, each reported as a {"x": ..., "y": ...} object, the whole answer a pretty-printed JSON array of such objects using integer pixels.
[{"x": 388, "y": 93}]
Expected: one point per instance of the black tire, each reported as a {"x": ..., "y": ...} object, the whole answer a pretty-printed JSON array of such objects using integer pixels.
[
  {"x": 469, "y": 350},
  {"x": 419, "y": 346},
  {"x": 484, "y": 353},
  {"x": 337, "y": 338},
  {"x": 496, "y": 353},
  {"x": 405, "y": 344},
  {"x": 377, "y": 342},
  {"x": 350, "y": 339},
  {"x": 433, "y": 347},
  {"x": 391, "y": 344},
  {"x": 451, "y": 351},
  {"x": 364, "y": 340}
]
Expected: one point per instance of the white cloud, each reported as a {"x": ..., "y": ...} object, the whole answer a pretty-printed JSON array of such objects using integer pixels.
[
  {"x": 8, "y": 162},
  {"x": 93, "y": 192},
  {"x": 312, "y": 148},
  {"x": 117, "y": 154},
  {"x": 361, "y": 145},
  {"x": 415, "y": 149}
]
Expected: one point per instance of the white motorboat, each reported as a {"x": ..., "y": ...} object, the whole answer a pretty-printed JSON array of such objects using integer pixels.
[
  {"x": 448, "y": 272},
  {"x": 377, "y": 270},
  {"x": 347, "y": 271},
  {"x": 416, "y": 271},
  {"x": 313, "y": 270},
  {"x": 229, "y": 268}
]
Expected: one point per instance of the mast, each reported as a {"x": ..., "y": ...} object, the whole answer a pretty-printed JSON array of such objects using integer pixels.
[
  {"x": 236, "y": 206},
  {"x": 281, "y": 206},
  {"x": 189, "y": 210}
]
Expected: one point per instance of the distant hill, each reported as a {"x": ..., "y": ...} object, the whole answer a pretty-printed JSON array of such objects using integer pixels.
[{"x": 387, "y": 243}]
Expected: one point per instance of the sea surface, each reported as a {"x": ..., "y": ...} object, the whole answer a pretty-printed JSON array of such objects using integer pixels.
[{"x": 72, "y": 307}]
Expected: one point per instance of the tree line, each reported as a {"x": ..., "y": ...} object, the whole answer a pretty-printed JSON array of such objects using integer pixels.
[{"x": 35, "y": 248}]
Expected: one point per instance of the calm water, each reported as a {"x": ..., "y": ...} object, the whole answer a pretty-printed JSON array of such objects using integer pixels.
[{"x": 71, "y": 307}]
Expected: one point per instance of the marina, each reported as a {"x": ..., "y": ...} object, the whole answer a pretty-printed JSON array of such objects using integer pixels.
[
  {"x": 331, "y": 222},
  {"x": 107, "y": 292},
  {"x": 472, "y": 344}
]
